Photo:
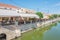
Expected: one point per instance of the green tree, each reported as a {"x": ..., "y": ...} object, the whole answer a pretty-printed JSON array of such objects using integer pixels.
[
  {"x": 55, "y": 15},
  {"x": 51, "y": 17},
  {"x": 40, "y": 14},
  {"x": 59, "y": 15}
]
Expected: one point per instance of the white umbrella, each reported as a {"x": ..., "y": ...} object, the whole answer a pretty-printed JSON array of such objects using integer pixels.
[{"x": 8, "y": 13}]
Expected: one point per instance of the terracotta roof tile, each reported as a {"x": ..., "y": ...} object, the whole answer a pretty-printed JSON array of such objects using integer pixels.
[{"x": 8, "y": 6}]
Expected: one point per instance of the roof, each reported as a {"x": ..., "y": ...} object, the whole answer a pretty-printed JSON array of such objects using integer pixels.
[
  {"x": 29, "y": 15},
  {"x": 8, "y": 13},
  {"x": 8, "y": 6}
]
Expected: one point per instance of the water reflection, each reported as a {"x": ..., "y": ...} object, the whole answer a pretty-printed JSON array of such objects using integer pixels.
[{"x": 53, "y": 34}]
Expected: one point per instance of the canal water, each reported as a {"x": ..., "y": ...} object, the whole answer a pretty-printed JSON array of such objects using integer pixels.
[{"x": 51, "y": 32}]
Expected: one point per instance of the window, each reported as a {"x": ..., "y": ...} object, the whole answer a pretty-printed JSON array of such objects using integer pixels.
[
  {"x": 26, "y": 11},
  {"x": 21, "y": 9},
  {"x": 5, "y": 8},
  {"x": 10, "y": 8},
  {"x": 17, "y": 11}
]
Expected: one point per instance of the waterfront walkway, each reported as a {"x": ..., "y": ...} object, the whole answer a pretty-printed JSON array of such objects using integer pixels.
[{"x": 27, "y": 27}]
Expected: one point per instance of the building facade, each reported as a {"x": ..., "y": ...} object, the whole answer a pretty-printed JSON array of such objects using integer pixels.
[{"x": 25, "y": 14}]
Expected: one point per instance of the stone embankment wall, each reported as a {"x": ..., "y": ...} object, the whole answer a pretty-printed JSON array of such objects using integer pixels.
[
  {"x": 9, "y": 33},
  {"x": 48, "y": 22}
]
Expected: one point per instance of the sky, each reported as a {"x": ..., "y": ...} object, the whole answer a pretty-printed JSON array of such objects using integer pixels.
[{"x": 47, "y": 6}]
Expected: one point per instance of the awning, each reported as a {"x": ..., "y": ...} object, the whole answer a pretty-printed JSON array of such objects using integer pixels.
[
  {"x": 29, "y": 15},
  {"x": 8, "y": 13}
]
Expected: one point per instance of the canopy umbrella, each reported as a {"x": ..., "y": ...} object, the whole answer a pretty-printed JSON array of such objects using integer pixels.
[
  {"x": 29, "y": 15},
  {"x": 10, "y": 13}
]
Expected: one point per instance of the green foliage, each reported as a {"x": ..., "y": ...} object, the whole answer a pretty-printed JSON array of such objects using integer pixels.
[
  {"x": 59, "y": 15},
  {"x": 51, "y": 17},
  {"x": 40, "y": 14},
  {"x": 55, "y": 15}
]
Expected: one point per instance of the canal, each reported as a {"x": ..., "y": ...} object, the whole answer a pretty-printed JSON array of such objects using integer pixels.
[{"x": 51, "y": 32}]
